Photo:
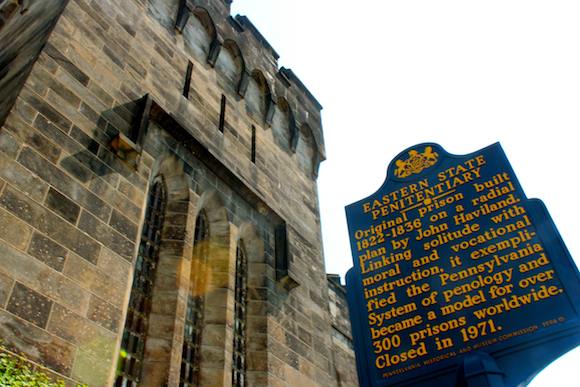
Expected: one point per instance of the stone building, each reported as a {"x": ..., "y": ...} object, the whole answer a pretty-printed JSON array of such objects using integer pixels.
[{"x": 159, "y": 218}]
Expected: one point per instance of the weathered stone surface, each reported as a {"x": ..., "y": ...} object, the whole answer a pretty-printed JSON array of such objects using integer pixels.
[
  {"x": 66, "y": 64},
  {"x": 96, "y": 341},
  {"x": 123, "y": 225},
  {"x": 59, "y": 88},
  {"x": 104, "y": 314},
  {"x": 47, "y": 251},
  {"x": 92, "y": 371},
  {"x": 101, "y": 94},
  {"x": 46, "y": 110},
  {"x": 134, "y": 194},
  {"x": 96, "y": 166},
  {"x": 36, "y": 344},
  {"x": 22, "y": 179},
  {"x": 258, "y": 361},
  {"x": 76, "y": 169},
  {"x": 51, "y": 131},
  {"x": 117, "y": 267},
  {"x": 98, "y": 281},
  {"x": 24, "y": 110},
  {"x": 33, "y": 138},
  {"x": 106, "y": 235},
  {"x": 111, "y": 196},
  {"x": 50, "y": 224},
  {"x": 85, "y": 140},
  {"x": 13, "y": 230},
  {"x": 65, "y": 184},
  {"x": 29, "y": 305},
  {"x": 6, "y": 284},
  {"x": 62, "y": 205},
  {"x": 8, "y": 144},
  {"x": 43, "y": 279}
]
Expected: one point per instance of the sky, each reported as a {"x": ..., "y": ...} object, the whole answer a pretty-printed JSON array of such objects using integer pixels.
[{"x": 464, "y": 74}]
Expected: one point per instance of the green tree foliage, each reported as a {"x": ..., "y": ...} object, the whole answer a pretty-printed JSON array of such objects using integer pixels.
[{"x": 16, "y": 372}]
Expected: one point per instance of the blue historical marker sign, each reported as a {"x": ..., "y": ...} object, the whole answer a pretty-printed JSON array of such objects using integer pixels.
[{"x": 457, "y": 275}]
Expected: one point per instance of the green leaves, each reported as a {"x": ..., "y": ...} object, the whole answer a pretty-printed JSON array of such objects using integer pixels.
[{"x": 16, "y": 372}]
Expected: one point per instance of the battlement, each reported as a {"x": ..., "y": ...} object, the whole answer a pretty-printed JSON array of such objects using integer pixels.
[
  {"x": 247, "y": 24},
  {"x": 258, "y": 59}
]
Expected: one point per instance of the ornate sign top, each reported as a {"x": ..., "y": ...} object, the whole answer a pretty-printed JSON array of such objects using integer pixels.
[{"x": 416, "y": 163}]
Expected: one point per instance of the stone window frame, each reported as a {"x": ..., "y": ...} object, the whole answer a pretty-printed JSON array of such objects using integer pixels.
[
  {"x": 190, "y": 372},
  {"x": 162, "y": 357},
  {"x": 292, "y": 133},
  {"x": 266, "y": 104},
  {"x": 240, "y": 83},
  {"x": 135, "y": 331}
]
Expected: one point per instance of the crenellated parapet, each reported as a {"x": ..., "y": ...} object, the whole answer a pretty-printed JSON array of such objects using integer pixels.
[{"x": 251, "y": 59}]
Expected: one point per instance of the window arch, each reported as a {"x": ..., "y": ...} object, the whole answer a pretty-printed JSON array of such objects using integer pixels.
[
  {"x": 258, "y": 97},
  {"x": 230, "y": 65},
  {"x": 191, "y": 351},
  {"x": 162, "y": 11},
  {"x": 240, "y": 318},
  {"x": 283, "y": 126},
  {"x": 306, "y": 150},
  {"x": 200, "y": 34},
  {"x": 136, "y": 323}
]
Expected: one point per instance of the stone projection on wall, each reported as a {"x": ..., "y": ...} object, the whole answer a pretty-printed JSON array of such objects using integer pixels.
[{"x": 457, "y": 274}]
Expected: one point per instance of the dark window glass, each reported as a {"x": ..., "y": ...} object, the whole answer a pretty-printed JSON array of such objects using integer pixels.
[
  {"x": 222, "y": 114},
  {"x": 190, "y": 359},
  {"x": 135, "y": 331},
  {"x": 187, "y": 83},
  {"x": 253, "y": 150},
  {"x": 240, "y": 319}
]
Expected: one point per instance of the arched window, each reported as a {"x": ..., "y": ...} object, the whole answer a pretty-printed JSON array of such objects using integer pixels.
[
  {"x": 240, "y": 318},
  {"x": 136, "y": 323},
  {"x": 283, "y": 126},
  {"x": 162, "y": 11},
  {"x": 190, "y": 360},
  {"x": 230, "y": 66},
  {"x": 306, "y": 150},
  {"x": 258, "y": 97},
  {"x": 199, "y": 33}
]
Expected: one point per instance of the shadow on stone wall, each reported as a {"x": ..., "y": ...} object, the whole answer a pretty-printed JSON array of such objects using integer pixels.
[{"x": 101, "y": 161}]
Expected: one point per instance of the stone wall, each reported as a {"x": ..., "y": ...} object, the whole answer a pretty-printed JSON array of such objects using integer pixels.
[
  {"x": 24, "y": 28},
  {"x": 342, "y": 345},
  {"x": 72, "y": 203}
]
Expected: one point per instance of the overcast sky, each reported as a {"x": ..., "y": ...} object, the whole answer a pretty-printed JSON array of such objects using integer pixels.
[{"x": 464, "y": 74}]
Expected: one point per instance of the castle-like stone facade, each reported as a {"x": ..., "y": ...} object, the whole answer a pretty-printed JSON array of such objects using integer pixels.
[{"x": 159, "y": 218}]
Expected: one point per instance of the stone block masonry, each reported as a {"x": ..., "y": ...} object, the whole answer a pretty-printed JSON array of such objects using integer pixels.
[{"x": 119, "y": 95}]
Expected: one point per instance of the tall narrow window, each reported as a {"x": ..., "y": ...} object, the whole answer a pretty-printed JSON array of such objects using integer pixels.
[
  {"x": 135, "y": 331},
  {"x": 222, "y": 114},
  {"x": 240, "y": 319},
  {"x": 253, "y": 150},
  {"x": 190, "y": 359},
  {"x": 187, "y": 83}
]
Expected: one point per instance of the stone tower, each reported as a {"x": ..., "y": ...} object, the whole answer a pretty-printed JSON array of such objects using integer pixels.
[{"x": 159, "y": 218}]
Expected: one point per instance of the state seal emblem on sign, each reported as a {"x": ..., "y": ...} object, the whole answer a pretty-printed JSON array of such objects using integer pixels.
[{"x": 416, "y": 163}]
